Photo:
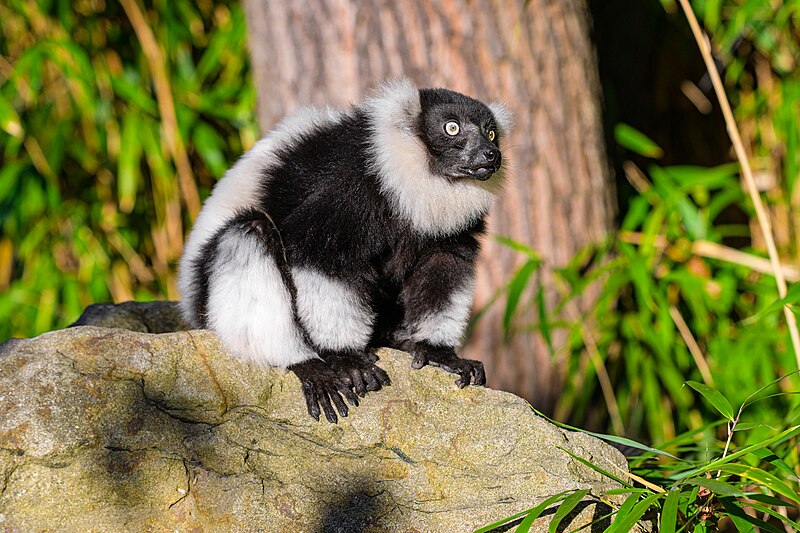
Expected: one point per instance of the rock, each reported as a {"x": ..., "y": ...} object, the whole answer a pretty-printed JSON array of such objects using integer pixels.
[
  {"x": 147, "y": 317},
  {"x": 117, "y": 430}
]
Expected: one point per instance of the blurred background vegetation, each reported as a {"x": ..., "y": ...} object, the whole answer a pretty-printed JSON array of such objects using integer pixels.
[
  {"x": 99, "y": 181},
  {"x": 97, "y": 184},
  {"x": 115, "y": 121}
]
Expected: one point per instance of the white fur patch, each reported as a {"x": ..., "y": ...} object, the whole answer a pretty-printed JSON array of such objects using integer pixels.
[
  {"x": 446, "y": 327},
  {"x": 502, "y": 115},
  {"x": 250, "y": 308},
  {"x": 334, "y": 316},
  {"x": 432, "y": 204},
  {"x": 239, "y": 188}
]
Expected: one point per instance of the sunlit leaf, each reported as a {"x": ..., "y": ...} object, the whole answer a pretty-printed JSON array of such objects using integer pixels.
[
  {"x": 669, "y": 512},
  {"x": 9, "y": 120},
  {"x": 625, "y": 522},
  {"x": 636, "y": 141},
  {"x": 566, "y": 507},
  {"x": 515, "y": 289},
  {"x": 792, "y": 298},
  {"x": 530, "y": 514},
  {"x": 715, "y": 398}
]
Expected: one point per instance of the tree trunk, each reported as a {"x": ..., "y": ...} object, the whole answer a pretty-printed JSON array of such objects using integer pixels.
[{"x": 535, "y": 56}]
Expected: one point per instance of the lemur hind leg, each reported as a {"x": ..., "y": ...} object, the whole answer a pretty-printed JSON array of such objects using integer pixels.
[
  {"x": 338, "y": 317},
  {"x": 324, "y": 382},
  {"x": 250, "y": 273}
]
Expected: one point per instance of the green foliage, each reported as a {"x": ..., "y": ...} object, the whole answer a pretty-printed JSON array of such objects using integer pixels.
[
  {"x": 652, "y": 278},
  {"x": 713, "y": 485},
  {"x": 759, "y": 45},
  {"x": 684, "y": 327},
  {"x": 90, "y": 205}
]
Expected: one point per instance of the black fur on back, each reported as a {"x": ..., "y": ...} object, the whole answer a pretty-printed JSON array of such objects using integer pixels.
[{"x": 326, "y": 201}]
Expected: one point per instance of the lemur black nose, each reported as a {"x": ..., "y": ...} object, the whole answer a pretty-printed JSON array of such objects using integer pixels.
[{"x": 491, "y": 155}]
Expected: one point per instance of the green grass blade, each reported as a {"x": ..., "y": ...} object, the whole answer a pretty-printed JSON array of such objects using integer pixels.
[
  {"x": 763, "y": 478},
  {"x": 716, "y": 486},
  {"x": 569, "y": 503},
  {"x": 624, "y": 522},
  {"x": 545, "y": 503},
  {"x": 526, "y": 524},
  {"x": 611, "y": 438},
  {"x": 595, "y": 467},
  {"x": 624, "y": 509},
  {"x": 669, "y": 512},
  {"x": 743, "y": 521}
]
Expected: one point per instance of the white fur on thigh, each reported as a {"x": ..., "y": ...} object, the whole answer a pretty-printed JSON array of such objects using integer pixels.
[
  {"x": 446, "y": 327},
  {"x": 249, "y": 306},
  {"x": 334, "y": 315}
]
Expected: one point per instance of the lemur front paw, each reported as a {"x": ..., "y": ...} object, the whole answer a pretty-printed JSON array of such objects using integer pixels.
[
  {"x": 323, "y": 388},
  {"x": 469, "y": 371},
  {"x": 358, "y": 369}
]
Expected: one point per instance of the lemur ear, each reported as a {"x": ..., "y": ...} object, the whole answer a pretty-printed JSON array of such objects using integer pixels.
[{"x": 502, "y": 115}]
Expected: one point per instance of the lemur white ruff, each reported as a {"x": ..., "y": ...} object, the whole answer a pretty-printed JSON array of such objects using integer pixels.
[{"x": 343, "y": 230}]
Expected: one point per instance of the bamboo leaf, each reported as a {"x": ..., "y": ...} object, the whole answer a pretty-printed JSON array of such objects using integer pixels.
[
  {"x": 770, "y": 457},
  {"x": 569, "y": 503},
  {"x": 636, "y": 141},
  {"x": 532, "y": 254},
  {"x": 536, "y": 511},
  {"x": 210, "y": 147},
  {"x": 715, "y": 398},
  {"x": 714, "y": 465},
  {"x": 791, "y": 298},
  {"x": 775, "y": 514},
  {"x": 128, "y": 173},
  {"x": 716, "y": 486},
  {"x": 669, "y": 512},
  {"x": 625, "y": 521},
  {"x": 515, "y": 289},
  {"x": 743, "y": 521},
  {"x": 9, "y": 120},
  {"x": 763, "y": 478}
]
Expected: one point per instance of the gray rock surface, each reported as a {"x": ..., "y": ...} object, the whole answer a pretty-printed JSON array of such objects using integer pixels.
[{"x": 122, "y": 430}]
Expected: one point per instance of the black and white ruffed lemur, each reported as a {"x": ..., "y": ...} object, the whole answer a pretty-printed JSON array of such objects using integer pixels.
[{"x": 344, "y": 230}]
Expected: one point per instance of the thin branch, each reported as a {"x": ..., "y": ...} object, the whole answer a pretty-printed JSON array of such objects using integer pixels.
[
  {"x": 166, "y": 104},
  {"x": 733, "y": 132},
  {"x": 694, "y": 348},
  {"x": 713, "y": 250}
]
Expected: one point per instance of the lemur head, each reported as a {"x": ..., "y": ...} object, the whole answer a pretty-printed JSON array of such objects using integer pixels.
[
  {"x": 461, "y": 134},
  {"x": 436, "y": 154}
]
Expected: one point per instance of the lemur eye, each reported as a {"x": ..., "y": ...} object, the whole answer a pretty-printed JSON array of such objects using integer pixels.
[
  {"x": 452, "y": 128},
  {"x": 491, "y": 135}
]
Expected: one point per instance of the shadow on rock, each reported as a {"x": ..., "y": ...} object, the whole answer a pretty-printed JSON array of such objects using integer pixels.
[{"x": 353, "y": 512}]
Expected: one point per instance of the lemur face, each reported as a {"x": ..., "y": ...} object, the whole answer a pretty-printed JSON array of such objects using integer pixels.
[{"x": 461, "y": 135}]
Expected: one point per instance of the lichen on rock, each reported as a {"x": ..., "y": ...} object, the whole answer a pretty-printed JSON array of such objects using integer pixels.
[{"x": 114, "y": 429}]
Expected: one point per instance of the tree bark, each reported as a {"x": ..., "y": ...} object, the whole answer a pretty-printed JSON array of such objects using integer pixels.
[{"x": 536, "y": 56}]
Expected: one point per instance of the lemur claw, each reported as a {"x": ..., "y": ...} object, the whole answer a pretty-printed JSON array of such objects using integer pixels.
[
  {"x": 359, "y": 371},
  {"x": 323, "y": 388}
]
